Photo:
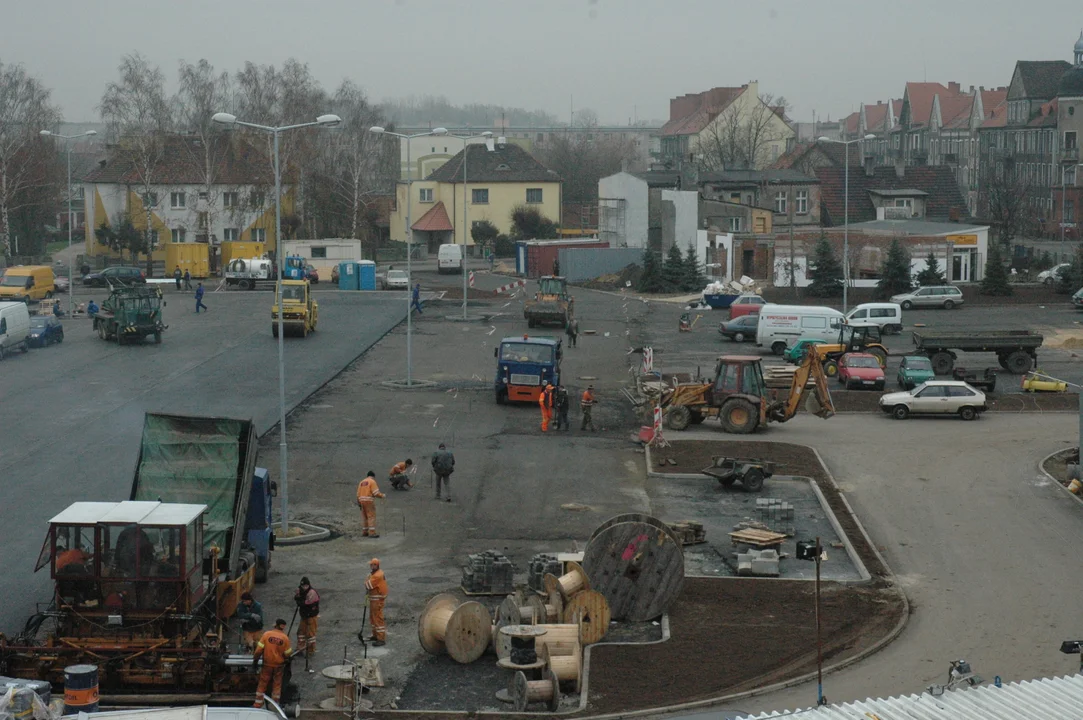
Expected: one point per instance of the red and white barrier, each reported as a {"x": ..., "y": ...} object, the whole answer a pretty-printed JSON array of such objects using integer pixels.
[{"x": 510, "y": 286}]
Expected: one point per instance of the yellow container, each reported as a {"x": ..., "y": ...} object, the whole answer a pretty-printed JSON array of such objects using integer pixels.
[
  {"x": 243, "y": 250},
  {"x": 1075, "y": 486},
  {"x": 193, "y": 257}
]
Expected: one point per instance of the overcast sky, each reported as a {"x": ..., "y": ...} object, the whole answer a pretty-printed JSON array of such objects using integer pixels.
[{"x": 621, "y": 58}]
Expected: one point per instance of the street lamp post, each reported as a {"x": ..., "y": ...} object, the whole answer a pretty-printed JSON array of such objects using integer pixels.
[
  {"x": 67, "y": 147},
  {"x": 466, "y": 216},
  {"x": 322, "y": 121},
  {"x": 846, "y": 213},
  {"x": 377, "y": 130}
]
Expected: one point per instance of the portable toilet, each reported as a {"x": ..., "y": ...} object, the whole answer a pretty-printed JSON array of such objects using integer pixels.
[
  {"x": 348, "y": 277},
  {"x": 367, "y": 273}
]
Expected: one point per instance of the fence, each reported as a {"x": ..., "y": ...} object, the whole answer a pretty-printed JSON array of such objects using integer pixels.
[{"x": 581, "y": 264}]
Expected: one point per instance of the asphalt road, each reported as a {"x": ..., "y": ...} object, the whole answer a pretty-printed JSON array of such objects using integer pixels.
[{"x": 73, "y": 413}]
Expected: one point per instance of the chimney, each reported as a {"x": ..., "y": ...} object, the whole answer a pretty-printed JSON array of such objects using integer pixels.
[
  {"x": 900, "y": 169},
  {"x": 953, "y": 87},
  {"x": 971, "y": 89}
]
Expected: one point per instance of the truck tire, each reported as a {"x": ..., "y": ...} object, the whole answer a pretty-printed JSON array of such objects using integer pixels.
[
  {"x": 739, "y": 416},
  {"x": 678, "y": 417},
  {"x": 262, "y": 570},
  {"x": 942, "y": 362},
  {"x": 245, "y": 284},
  {"x": 753, "y": 480},
  {"x": 831, "y": 368},
  {"x": 501, "y": 397},
  {"x": 778, "y": 348},
  {"x": 881, "y": 355},
  {"x": 1018, "y": 363}
]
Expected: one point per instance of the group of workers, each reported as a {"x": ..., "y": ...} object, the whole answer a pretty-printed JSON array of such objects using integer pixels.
[
  {"x": 553, "y": 401},
  {"x": 443, "y": 465}
]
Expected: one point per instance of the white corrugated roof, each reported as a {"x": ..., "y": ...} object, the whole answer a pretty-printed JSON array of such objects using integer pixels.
[{"x": 1042, "y": 699}]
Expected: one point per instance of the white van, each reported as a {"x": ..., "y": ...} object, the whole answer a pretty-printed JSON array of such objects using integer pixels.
[
  {"x": 783, "y": 325},
  {"x": 887, "y": 315},
  {"x": 14, "y": 327},
  {"x": 450, "y": 259}
]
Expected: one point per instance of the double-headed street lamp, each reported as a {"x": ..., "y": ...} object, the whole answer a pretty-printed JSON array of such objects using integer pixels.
[
  {"x": 466, "y": 199},
  {"x": 322, "y": 121},
  {"x": 377, "y": 130},
  {"x": 67, "y": 147},
  {"x": 845, "y": 213}
]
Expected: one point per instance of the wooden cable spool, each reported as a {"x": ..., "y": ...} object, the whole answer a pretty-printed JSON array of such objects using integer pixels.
[
  {"x": 560, "y": 639},
  {"x": 590, "y": 610},
  {"x": 637, "y": 562},
  {"x": 541, "y": 610},
  {"x": 568, "y": 668},
  {"x": 463, "y": 631},
  {"x": 525, "y": 692},
  {"x": 568, "y": 584}
]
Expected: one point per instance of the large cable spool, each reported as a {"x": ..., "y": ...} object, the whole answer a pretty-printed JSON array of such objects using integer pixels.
[
  {"x": 637, "y": 562},
  {"x": 561, "y": 639},
  {"x": 568, "y": 668},
  {"x": 463, "y": 631},
  {"x": 574, "y": 581},
  {"x": 524, "y": 692},
  {"x": 590, "y": 610}
]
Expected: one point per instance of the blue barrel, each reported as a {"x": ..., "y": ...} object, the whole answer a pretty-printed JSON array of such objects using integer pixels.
[
  {"x": 348, "y": 278},
  {"x": 367, "y": 270},
  {"x": 80, "y": 689}
]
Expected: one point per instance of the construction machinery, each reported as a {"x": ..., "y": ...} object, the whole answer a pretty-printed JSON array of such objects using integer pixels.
[
  {"x": 294, "y": 268},
  {"x": 250, "y": 273},
  {"x": 551, "y": 304},
  {"x": 142, "y": 588},
  {"x": 853, "y": 337},
  {"x": 523, "y": 364},
  {"x": 739, "y": 397},
  {"x": 130, "y": 313},
  {"x": 299, "y": 311}
]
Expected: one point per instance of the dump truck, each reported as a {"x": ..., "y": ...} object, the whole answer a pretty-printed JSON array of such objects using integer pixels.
[
  {"x": 294, "y": 268},
  {"x": 1016, "y": 350},
  {"x": 522, "y": 364},
  {"x": 131, "y": 313},
  {"x": 738, "y": 396},
  {"x": 300, "y": 311},
  {"x": 142, "y": 587},
  {"x": 551, "y": 304}
]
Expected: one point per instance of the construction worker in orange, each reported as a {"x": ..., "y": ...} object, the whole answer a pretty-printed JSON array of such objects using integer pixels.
[
  {"x": 308, "y": 607},
  {"x": 376, "y": 591},
  {"x": 545, "y": 402},
  {"x": 367, "y": 492},
  {"x": 586, "y": 404},
  {"x": 274, "y": 648}
]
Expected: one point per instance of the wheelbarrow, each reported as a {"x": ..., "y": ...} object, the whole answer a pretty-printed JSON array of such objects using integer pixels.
[{"x": 750, "y": 472}]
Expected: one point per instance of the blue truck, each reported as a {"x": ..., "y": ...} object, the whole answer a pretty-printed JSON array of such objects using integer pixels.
[
  {"x": 522, "y": 364},
  {"x": 212, "y": 461},
  {"x": 294, "y": 268}
]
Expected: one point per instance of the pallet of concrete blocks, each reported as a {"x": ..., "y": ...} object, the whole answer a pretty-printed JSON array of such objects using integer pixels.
[
  {"x": 488, "y": 573},
  {"x": 690, "y": 532},
  {"x": 776, "y": 514},
  {"x": 758, "y": 563},
  {"x": 541, "y": 565}
]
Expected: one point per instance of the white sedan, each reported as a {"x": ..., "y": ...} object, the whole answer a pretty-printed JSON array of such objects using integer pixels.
[
  {"x": 396, "y": 280},
  {"x": 1050, "y": 276},
  {"x": 935, "y": 397}
]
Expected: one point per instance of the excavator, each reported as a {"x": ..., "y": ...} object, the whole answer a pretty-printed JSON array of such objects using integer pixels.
[
  {"x": 551, "y": 304},
  {"x": 739, "y": 398}
]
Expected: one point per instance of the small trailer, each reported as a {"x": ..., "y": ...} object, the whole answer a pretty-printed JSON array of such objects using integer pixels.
[
  {"x": 985, "y": 380},
  {"x": 1016, "y": 350},
  {"x": 750, "y": 472}
]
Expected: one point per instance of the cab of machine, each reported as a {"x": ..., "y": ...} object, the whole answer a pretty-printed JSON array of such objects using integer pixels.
[
  {"x": 887, "y": 315},
  {"x": 127, "y": 558}
]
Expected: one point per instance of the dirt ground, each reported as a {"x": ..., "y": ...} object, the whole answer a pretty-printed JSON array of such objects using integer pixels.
[{"x": 1057, "y": 465}]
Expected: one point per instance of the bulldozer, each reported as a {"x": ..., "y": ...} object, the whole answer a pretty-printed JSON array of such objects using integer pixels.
[
  {"x": 300, "y": 311},
  {"x": 853, "y": 337},
  {"x": 551, "y": 304},
  {"x": 739, "y": 398}
]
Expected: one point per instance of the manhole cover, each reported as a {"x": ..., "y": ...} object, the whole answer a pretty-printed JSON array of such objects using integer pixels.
[{"x": 430, "y": 580}]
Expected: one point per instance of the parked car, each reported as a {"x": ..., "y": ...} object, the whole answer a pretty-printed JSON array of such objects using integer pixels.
[
  {"x": 861, "y": 371},
  {"x": 312, "y": 274},
  {"x": 741, "y": 329},
  {"x": 396, "y": 280},
  {"x": 935, "y": 397},
  {"x": 113, "y": 275},
  {"x": 62, "y": 283},
  {"x": 913, "y": 371},
  {"x": 888, "y": 316},
  {"x": 796, "y": 353},
  {"x": 945, "y": 296},
  {"x": 45, "y": 330},
  {"x": 1077, "y": 299},
  {"x": 1048, "y": 277},
  {"x": 746, "y": 305},
  {"x": 334, "y": 275}
]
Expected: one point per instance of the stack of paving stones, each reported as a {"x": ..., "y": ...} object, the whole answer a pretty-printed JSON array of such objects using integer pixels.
[
  {"x": 776, "y": 515},
  {"x": 690, "y": 532},
  {"x": 488, "y": 573},
  {"x": 758, "y": 563},
  {"x": 541, "y": 565}
]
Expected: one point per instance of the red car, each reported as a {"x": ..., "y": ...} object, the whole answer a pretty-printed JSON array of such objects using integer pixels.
[
  {"x": 746, "y": 305},
  {"x": 312, "y": 274},
  {"x": 861, "y": 371}
]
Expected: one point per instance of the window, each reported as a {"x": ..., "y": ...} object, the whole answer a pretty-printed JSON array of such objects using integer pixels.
[
  {"x": 202, "y": 194},
  {"x": 904, "y": 203},
  {"x": 319, "y": 252},
  {"x": 780, "y": 202},
  {"x": 204, "y": 220},
  {"x": 425, "y": 195},
  {"x": 177, "y": 200},
  {"x": 1069, "y": 140},
  {"x": 1069, "y": 211},
  {"x": 480, "y": 196},
  {"x": 1069, "y": 175},
  {"x": 533, "y": 195},
  {"x": 178, "y": 235},
  {"x": 259, "y": 235},
  {"x": 813, "y": 322},
  {"x": 801, "y": 200},
  {"x": 230, "y": 200},
  {"x": 256, "y": 199},
  {"x": 735, "y": 224},
  {"x": 959, "y": 391},
  {"x": 933, "y": 391},
  {"x": 230, "y": 234}
]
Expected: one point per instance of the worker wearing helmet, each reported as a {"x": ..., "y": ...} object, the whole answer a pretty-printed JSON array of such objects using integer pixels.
[
  {"x": 367, "y": 492},
  {"x": 376, "y": 592},
  {"x": 545, "y": 402}
]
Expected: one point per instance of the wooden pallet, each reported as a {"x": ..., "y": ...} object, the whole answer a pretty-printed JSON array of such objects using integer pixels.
[
  {"x": 781, "y": 376},
  {"x": 758, "y": 538}
]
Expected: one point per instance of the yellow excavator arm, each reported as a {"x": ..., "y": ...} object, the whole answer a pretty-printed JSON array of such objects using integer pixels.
[{"x": 810, "y": 368}]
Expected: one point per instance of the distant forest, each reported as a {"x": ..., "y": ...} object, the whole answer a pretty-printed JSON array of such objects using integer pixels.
[{"x": 437, "y": 111}]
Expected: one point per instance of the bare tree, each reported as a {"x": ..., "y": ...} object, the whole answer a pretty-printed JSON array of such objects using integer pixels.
[
  {"x": 24, "y": 159},
  {"x": 582, "y": 158},
  {"x": 136, "y": 111},
  {"x": 736, "y": 140},
  {"x": 1007, "y": 198}
]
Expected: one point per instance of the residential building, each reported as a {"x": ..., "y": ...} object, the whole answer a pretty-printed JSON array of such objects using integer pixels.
[
  {"x": 877, "y": 120},
  {"x": 182, "y": 206},
  {"x": 792, "y": 197},
  {"x": 497, "y": 182},
  {"x": 919, "y": 193},
  {"x": 806, "y": 157},
  {"x": 1068, "y": 195},
  {"x": 629, "y": 208},
  {"x": 706, "y": 129}
]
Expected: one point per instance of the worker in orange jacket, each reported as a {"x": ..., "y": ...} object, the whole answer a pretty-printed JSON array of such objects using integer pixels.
[
  {"x": 367, "y": 492},
  {"x": 274, "y": 648},
  {"x": 586, "y": 405},
  {"x": 545, "y": 401},
  {"x": 376, "y": 592}
]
